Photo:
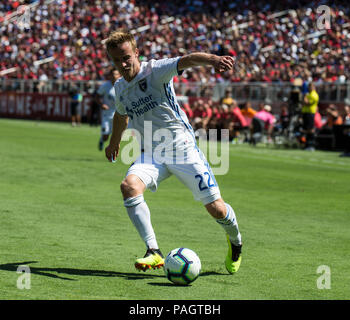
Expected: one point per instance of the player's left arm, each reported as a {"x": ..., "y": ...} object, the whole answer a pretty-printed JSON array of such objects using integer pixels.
[{"x": 196, "y": 59}]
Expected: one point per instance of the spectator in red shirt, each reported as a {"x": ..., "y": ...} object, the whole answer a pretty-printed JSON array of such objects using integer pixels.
[
  {"x": 215, "y": 120},
  {"x": 202, "y": 114},
  {"x": 208, "y": 112}
]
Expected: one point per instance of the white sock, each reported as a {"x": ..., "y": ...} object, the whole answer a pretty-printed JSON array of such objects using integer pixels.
[
  {"x": 230, "y": 225},
  {"x": 140, "y": 216}
]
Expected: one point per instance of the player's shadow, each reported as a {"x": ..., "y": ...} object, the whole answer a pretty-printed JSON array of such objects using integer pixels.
[
  {"x": 51, "y": 272},
  {"x": 203, "y": 274}
]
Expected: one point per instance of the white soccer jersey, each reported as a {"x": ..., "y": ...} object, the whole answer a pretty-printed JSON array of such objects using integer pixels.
[
  {"x": 107, "y": 92},
  {"x": 149, "y": 100}
]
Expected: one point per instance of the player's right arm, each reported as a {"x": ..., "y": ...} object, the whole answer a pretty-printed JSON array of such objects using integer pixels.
[{"x": 120, "y": 123}]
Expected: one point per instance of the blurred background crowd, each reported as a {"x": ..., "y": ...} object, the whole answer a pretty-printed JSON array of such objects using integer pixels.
[{"x": 272, "y": 41}]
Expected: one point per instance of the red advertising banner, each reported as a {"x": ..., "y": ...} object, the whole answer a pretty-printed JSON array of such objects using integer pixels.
[
  {"x": 43, "y": 106},
  {"x": 56, "y": 107}
]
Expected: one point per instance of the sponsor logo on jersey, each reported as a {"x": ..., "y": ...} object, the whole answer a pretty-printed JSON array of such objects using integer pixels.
[{"x": 141, "y": 106}]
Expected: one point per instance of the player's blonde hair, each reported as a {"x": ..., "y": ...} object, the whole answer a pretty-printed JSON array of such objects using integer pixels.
[{"x": 118, "y": 37}]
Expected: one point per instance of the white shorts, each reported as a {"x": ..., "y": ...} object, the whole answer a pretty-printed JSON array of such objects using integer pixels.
[
  {"x": 195, "y": 173},
  {"x": 106, "y": 125}
]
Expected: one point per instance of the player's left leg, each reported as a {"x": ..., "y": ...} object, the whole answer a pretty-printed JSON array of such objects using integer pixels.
[
  {"x": 225, "y": 216},
  {"x": 197, "y": 175}
]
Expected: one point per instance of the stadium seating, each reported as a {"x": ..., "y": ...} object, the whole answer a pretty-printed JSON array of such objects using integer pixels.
[{"x": 271, "y": 43}]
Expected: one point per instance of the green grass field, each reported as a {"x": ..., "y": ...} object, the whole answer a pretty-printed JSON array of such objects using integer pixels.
[{"x": 61, "y": 214}]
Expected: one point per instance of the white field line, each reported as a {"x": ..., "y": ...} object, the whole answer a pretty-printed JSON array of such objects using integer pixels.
[
  {"x": 313, "y": 162},
  {"x": 278, "y": 153}
]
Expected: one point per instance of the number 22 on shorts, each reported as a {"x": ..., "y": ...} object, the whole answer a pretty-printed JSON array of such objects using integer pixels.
[{"x": 205, "y": 181}]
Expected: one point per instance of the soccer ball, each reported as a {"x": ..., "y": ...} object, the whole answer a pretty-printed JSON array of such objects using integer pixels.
[{"x": 182, "y": 266}]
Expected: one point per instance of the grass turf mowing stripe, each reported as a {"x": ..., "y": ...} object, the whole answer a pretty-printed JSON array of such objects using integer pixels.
[{"x": 62, "y": 214}]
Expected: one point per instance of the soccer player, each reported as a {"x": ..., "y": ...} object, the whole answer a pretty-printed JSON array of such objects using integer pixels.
[
  {"x": 106, "y": 93},
  {"x": 144, "y": 95}
]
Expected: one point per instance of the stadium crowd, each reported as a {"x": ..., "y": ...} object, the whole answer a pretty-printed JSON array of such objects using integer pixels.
[
  {"x": 272, "y": 41},
  {"x": 248, "y": 124}
]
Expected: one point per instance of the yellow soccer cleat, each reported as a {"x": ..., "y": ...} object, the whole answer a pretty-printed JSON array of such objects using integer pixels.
[
  {"x": 233, "y": 258},
  {"x": 153, "y": 259}
]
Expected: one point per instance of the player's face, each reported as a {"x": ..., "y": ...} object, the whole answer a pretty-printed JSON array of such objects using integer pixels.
[{"x": 126, "y": 60}]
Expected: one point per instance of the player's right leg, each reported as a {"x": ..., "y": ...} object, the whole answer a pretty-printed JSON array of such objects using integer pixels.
[{"x": 139, "y": 177}]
